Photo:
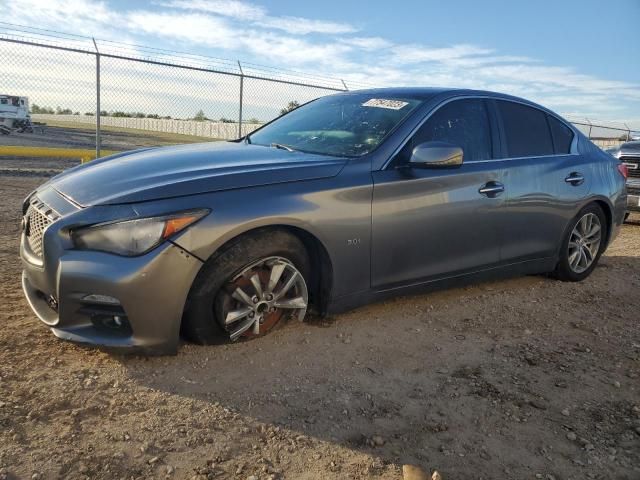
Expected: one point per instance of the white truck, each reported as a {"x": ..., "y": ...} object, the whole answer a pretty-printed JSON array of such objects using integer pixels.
[{"x": 14, "y": 114}]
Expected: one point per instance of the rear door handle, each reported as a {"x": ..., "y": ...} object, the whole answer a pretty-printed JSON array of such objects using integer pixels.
[
  {"x": 575, "y": 178},
  {"x": 491, "y": 189}
]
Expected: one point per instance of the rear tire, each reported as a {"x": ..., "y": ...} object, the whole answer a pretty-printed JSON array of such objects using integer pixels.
[
  {"x": 210, "y": 296},
  {"x": 583, "y": 245}
]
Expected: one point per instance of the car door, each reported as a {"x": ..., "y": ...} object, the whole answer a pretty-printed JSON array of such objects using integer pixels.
[
  {"x": 429, "y": 223},
  {"x": 544, "y": 180}
]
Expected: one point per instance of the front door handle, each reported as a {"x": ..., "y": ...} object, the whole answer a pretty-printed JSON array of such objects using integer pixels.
[
  {"x": 575, "y": 178},
  {"x": 491, "y": 189}
]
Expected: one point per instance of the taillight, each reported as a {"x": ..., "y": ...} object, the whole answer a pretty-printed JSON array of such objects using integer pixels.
[{"x": 624, "y": 171}]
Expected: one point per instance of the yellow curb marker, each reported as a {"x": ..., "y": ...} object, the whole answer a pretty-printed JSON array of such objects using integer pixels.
[{"x": 19, "y": 151}]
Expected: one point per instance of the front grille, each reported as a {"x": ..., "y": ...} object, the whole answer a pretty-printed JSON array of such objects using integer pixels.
[
  {"x": 37, "y": 218},
  {"x": 633, "y": 165}
]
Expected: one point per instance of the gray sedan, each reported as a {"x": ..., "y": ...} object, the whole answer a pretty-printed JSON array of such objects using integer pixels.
[{"x": 348, "y": 199}]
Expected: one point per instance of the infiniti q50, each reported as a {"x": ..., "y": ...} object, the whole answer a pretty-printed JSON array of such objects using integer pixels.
[{"x": 348, "y": 199}]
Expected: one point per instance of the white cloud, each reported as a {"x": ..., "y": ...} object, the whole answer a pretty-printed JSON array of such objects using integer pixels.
[
  {"x": 294, "y": 51},
  {"x": 303, "y": 26},
  {"x": 368, "y": 43},
  {"x": 217, "y": 32},
  {"x": 193, "y": 28},
  {"x": 85, "y": 17},
  {"x": 413, "y": 54},
  {"x": 258, "y": 16},
  {"x": 229, "y": 8}
]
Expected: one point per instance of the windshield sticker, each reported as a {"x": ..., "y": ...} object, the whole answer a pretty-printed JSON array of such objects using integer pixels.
[{"x": 385, "y": 103}]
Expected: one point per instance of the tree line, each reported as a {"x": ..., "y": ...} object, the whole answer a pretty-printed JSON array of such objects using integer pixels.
[{"x": 200, "y": 116}]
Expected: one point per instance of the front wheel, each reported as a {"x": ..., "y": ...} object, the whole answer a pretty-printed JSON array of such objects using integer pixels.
[
  {"x": 583, "y": 245},
  {"x": 257, "y": 298},
  {"x": 248, "y": 289}
]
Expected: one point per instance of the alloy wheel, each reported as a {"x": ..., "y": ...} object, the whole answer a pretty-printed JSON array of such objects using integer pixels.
[
  {"x": 257, "y": 298},
  {"x": 584, "y": 242}
]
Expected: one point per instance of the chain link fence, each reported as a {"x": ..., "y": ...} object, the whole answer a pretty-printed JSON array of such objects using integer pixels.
[
  {"x": 114, "y": 96},
  {"x": 87, "y": 93},
  {"x": 605, "y": 134}
]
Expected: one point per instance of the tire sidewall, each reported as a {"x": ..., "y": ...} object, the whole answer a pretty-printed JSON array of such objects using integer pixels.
[{"x": 564, "y": 271}]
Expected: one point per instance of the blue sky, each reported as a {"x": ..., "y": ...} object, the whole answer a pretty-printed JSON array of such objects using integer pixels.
[
  {"x": 595, "y": 36},
  {"x": 578, "y": 57}
]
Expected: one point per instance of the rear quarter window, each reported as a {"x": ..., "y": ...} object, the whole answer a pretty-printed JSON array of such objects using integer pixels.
[
  {"x": 526, "y": 130},
  {"x": 562, "y": 135}
]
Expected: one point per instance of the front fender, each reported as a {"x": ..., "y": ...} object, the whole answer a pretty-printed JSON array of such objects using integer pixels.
[{"x": 334, "y": 211}]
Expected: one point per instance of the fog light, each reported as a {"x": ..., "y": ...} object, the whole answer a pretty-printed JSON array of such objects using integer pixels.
[
  {"x": 113, "y": 322},
  {"x": 97, "y": 298},
  {"x": 116, "y": 322}
]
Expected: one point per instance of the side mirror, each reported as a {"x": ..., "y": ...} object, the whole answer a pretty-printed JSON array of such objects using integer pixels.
[{"x": 436, "y": 155}]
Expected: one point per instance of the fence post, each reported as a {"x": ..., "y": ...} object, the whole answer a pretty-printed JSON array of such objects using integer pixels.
[
  {"x": 628, "y": 132},
  {"x": 590, "y": 127},
  {"x": 241, "y": 93},
  {"x": 97, "y": 98},
  {"x": 345, "y": 85}
]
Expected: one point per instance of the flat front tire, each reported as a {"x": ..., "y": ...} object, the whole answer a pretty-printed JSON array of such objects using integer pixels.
[{"x": 248, "y": 289}]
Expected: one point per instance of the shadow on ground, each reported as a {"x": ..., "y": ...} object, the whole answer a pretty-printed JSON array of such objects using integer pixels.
[{"x": 471, "y": 377}]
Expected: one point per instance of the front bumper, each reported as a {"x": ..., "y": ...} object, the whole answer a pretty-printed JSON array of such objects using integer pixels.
[{"x": 149, "y": 292}]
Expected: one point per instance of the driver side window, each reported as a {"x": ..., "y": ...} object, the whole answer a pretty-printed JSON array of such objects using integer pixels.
[{"x": 463, "y": 123}]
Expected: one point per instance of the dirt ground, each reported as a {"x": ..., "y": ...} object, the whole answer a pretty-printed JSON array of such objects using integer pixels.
[{"x": 521, "y": 379}]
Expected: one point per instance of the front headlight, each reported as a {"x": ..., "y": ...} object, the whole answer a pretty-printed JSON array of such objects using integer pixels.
[{"x": 135, "y": 236}]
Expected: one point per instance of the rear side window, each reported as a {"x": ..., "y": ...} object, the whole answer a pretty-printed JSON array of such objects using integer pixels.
[
  {"x": 562, "y": 135},
  {"x": 464, "y": 123},
  {"x": 526, "y": 130}
]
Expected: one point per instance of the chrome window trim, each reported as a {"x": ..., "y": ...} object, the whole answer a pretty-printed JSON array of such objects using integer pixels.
[
  {"x": 525, "y": 158},
  {"x": 574, "y": 142}
]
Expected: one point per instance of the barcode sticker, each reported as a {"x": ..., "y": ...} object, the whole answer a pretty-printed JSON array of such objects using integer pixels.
[{"x": 385, "y": 103}]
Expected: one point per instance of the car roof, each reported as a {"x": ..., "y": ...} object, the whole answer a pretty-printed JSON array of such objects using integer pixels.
[
  {"x": 424, "y": 93},
  {"x": 421, "y": 93}
]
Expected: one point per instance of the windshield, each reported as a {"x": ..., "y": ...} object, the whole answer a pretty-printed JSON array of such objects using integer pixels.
[{"x": 340, "y": 125}]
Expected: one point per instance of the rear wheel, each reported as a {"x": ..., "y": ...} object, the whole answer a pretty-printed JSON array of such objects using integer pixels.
[
  {"x": 248, "y": 289},
  {"x": 583, "y": 245}
]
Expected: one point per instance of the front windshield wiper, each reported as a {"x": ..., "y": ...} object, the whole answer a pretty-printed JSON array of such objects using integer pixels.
[{"x": 282, "y": 146}]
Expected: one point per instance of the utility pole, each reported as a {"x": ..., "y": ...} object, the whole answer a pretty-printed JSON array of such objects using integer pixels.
[
  {"x": 98, "y": 140},
  {"x": 241, "y": 93}
]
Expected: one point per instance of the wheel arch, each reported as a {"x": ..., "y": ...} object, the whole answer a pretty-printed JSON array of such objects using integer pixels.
[
  {"x": 607, "y": 209},
  {"x": 608, "y": 213}
]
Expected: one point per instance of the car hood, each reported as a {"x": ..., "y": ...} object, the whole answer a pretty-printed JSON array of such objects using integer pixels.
[
  {"x": 630, "y": 148},
  {"x": 155, "y": 173}
]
